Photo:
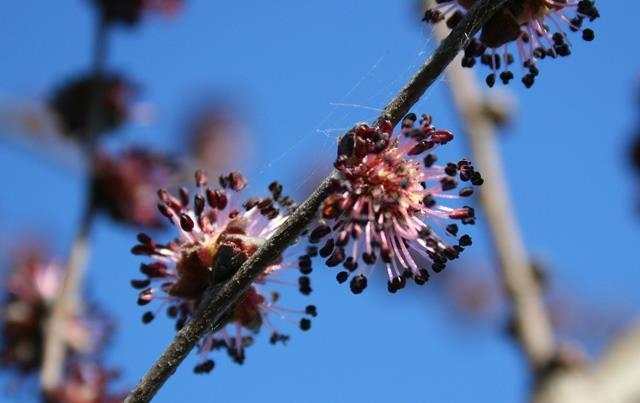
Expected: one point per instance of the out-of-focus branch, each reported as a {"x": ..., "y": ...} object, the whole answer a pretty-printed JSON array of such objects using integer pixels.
[
  {"x": 68, "y": 302},
  {"x": 533, "y": 328},
  {"x": 613, "y": 379},
  {"x": 214, "y": 307},
  {"x": 65, "y": 307}
]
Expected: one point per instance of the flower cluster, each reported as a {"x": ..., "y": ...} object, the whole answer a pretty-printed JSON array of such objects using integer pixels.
[
  {"x": 217, "y": 233},
  {"x": 72, "y": 105},
  {"x": 123, "y": 185},
  {"x": 129, "y": 12},
  {"x": 382, "y": 200},
  {"x": 534, "y": 26},
  {"x": 86, "y": 382},
  {"x": 31, "y": 288}
]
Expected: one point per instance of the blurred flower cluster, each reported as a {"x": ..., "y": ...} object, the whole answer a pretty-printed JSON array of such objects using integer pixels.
[
  {"x": 112, "y": 95},
  {"x": 123, "y": 185},
  {"x": 30, "y": 287},
  {"x": 83, "y": 113}
]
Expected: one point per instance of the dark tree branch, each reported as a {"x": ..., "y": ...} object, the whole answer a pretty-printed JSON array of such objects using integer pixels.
[{"x": 216, "y": 303}]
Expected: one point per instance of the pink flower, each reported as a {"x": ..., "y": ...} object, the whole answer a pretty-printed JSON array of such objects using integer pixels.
[
  {"x": 217, "y": 233},
  {"x": 535, "y": 27},
  {"x": 386, "y": 205}
]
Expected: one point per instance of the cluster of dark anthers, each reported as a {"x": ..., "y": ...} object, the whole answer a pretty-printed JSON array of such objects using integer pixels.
[
  {"x": 217, "y": 234},
  {"x": 534, "y": 26},
  {"x": 381, "y": 203}
]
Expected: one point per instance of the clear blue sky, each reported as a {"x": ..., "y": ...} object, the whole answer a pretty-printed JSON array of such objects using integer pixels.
[{"x": 287, "y": 64}]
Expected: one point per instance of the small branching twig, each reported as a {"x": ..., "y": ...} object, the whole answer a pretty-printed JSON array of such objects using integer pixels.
[{"x": 215, "y": 304}]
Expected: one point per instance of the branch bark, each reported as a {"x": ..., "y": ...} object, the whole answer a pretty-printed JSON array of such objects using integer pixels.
[
  {"x": 216, "y": 303},
  {"x": 533, "y": 327}
]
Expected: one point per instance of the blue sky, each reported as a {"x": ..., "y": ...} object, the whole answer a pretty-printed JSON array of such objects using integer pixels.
[{"x": 291, "y": 67}]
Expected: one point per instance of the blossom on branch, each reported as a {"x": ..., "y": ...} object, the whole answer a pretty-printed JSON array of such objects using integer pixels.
[
  {"x": 536, "y": 28},
  {"x": 217, "y": 233},
  {"x": 386, "y": 205}
]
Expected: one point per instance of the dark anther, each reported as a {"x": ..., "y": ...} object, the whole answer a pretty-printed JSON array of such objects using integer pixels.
[
  {"x": 358, "y": 284},
  {"x": 305, "y": 324},
  {"x": 465, "y": 240},
  {"x": 336, "y": 257},
  {"x": 452, "y": 229},
  {"x": 304, "y": 263},
  {"x": 326, "y": 250},
  {"x": 311, "y": 310},
  {"x": 304, "y": 285},
  {"x": 140, "y": 284},
  {"x": 186, "y": 222},
  {"x": 422, "y": 277},
  {"x": 147, "y": 317},
  {"x": 319, "y": 233},
  {"x": 429, "y": 160},
  {"x": 466, "y": 192},
  {"x": 491, "y": 80},
  {"x": 342, "y": 277}
]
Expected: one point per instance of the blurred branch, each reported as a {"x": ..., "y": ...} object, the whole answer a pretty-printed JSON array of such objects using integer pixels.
[
  {"x": 533, "y": 327},
  {"x": 68, "y": 301},
  {"x": 614, "y": 379},
  {"x": 216, "y": 303},
  {"x": 65, "y": 307}
]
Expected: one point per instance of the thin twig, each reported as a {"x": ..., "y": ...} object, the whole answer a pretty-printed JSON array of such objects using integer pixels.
[
  {"x": 215, "y": 304},
  {"x": 68, "y": 301},
  {"x": 533, "y": 327}
]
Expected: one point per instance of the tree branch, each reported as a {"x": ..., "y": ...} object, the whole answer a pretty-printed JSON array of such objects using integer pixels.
[
  {"x": 613, "y": 379},
  {"x": 533, "y": 327},
  {"x": 216, "y": 303},
  {"x": 68, "y": 301},
  {"x": 65, "y": 307}
]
